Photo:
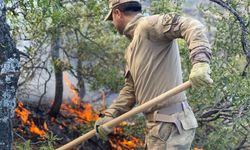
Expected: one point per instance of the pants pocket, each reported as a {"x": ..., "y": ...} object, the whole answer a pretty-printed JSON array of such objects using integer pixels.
[{"x": 161, "y": 131}]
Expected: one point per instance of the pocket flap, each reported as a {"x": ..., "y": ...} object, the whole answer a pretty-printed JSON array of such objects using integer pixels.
[{"x": 188, "y": 120}]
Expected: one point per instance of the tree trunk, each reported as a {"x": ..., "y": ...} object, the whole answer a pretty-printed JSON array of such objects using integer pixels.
[
  {"x": 9, "y": 73},
  {"x": 55, "y": 109},
  {"x": 80, "y": 79}
]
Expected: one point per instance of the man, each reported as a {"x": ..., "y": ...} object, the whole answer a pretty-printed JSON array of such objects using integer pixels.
[{"x": 153, "y": 67}]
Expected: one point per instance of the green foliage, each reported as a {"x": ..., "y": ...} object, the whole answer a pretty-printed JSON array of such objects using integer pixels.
[
  {"x": 24, "y": 146},
  {"x": 137, "y": 129},
  {"x": 108, "y": 76},
  {"x": 230, "y": 90},
  {"x": 165, "y": 6},
  {"x": 97, "y": 46},
  {"x": 87, "y": 39},
  {"x": 227, "y": 128},
  {"x": 87, "y": 127},
  {"x": 61, "y": 65},
  {"x": 51, "y": 140}
]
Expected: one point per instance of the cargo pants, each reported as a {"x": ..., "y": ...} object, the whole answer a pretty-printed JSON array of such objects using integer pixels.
[{"x": 166, "y": 136}]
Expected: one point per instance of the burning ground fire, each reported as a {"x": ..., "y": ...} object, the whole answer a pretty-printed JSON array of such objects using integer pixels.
[
  {"x": 24, "y": 114},
  {"x": 123, "y": 143},
  {"x": 82, "y": 113}
]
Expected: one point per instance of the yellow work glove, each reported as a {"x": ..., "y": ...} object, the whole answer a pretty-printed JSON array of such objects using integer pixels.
[
  {"x": 200, "y": 75},
  {"x": 102, "y": 131}
]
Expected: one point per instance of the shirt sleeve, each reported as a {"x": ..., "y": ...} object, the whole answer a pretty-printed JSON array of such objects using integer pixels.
[
  {"x": 126, "y": 99},
  {"x": 192, "y": 31}
]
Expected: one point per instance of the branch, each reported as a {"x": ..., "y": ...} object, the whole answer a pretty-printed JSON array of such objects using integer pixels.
[
  {"x": 13, "y": 8},
  {"x": 241, "y": 145},
  {"x": 244, "y": 30},
  {"x": 239, "y": 18},
  {"x": 245, "y": 68},
  {"x": 45, "y": 87},
  {"x": 21, "y": 137}
]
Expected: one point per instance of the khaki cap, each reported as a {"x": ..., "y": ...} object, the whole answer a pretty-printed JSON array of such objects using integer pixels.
[{"x": 114, "y": 3}]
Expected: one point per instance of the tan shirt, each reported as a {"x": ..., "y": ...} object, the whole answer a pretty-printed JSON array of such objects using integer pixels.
[{"x": 153, "y": 63}]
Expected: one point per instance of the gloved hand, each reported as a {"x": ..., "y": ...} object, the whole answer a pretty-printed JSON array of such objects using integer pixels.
[
  {"x": 200, "y": 75},
  {"x": 102, "y": 131}
]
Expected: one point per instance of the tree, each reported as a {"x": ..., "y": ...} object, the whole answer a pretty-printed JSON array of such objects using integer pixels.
[
  {"x": 223, "y": 112},
  {"x": 55, "y": 47},
  {"x": 9, "y": 68},
  {"x": 86, "y": 51}
]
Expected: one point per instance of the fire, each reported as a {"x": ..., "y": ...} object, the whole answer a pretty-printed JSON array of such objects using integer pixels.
[
  {"x": 89, "y": 115},
  {"x": 84, "y": 112},
  {"x": 45, "y": 126},
  {"x": 197, "y": 148},
  {"x": 129, "y": 142},
  {"x": 81, "y": 113},
  {"x": 24, "y": 114},
  {"x": 75, "y": 99},
  {"x": 34, "y": 129},
  {"x": 132, "y": 143},
  {"x": 122, "y": 144}
]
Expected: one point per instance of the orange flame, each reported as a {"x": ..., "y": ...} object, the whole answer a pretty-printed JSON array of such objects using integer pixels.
[
  {"x": 197, "y": 148},
  {"x": 127, "y": 143},
  {"x": 75, "y": 99},
  {"x": 130, "y": 143},
  {"x": 34, "y": 129},
  {"x": 23, "y": 114},
  {"x": 86, "y": 114},
  {"x": 45, "y": 126},
  {"x": 83, "y": 113},
  {"x": 89, "y": 113}
]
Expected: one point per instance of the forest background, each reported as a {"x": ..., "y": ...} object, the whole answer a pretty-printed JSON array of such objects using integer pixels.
[{"x": 58, "y": 37}]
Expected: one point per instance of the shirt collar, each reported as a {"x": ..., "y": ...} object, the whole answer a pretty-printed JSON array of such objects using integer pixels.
[{"x": 130, "y": 27}]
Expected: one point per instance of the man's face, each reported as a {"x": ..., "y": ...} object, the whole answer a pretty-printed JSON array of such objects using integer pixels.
[{"x": 118, "y": 20}]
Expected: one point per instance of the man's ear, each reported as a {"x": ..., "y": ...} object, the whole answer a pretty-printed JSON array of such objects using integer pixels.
[{"x": 117, "y": 12}]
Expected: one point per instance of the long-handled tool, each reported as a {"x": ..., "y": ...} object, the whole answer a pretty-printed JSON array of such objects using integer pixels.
[{"x": 127, "y": 115}]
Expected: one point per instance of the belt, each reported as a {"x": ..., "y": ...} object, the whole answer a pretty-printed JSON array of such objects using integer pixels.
[
  {"x": 163, "y": 114},
  {"x": 174, "y": 108}
]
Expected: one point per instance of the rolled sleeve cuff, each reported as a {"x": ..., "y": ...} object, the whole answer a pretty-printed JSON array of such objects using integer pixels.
[
  {"x": 112, "y": 112},
  {"x": 200, "y": 54}
]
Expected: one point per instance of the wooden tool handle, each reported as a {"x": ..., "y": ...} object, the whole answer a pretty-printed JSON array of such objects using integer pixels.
[{"x": 127, "y": 115}]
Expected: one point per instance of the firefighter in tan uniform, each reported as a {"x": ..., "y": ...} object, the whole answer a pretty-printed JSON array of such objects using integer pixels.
[{"x": 153, "y": 67}]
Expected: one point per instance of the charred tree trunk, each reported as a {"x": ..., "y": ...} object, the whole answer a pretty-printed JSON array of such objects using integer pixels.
[
  {"x": 9, "y": 73},
  {"x": 55, "y": 109}
]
